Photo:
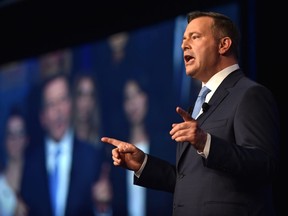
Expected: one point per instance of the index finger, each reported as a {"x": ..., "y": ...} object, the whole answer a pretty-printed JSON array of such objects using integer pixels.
[
  {"x": 112, "y": 141},
  {"x": 185, "y": 115}
]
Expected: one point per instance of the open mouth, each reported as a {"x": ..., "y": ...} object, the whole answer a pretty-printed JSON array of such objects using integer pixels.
[{"x": 188, "y": 58}]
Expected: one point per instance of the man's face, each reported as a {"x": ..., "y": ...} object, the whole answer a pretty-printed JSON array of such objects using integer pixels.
[
  {"x": 56, "y": 112},
  {"x": 200, "y": 49}
]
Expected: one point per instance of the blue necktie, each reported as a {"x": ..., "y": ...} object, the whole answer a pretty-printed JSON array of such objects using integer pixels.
[
  {"x": 54, "y": 181},
  {"x": 200, "y": 100}
]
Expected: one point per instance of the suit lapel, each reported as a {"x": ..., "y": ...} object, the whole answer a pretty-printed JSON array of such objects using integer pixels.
[{"x": 219, "y": 95}]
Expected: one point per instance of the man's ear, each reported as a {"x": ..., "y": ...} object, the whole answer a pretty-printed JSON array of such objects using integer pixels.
[{"x": 224, "y": 45}]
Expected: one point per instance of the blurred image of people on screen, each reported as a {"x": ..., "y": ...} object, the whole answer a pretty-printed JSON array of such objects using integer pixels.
[
  {"x": 16, "y": 140},
  {"x": 130, "y": 199},
  {"x": 60, "y": 171},
  {"x": 86, "y": 108}
]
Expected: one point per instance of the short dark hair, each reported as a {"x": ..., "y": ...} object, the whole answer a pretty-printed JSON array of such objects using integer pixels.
[{"x": 223, "y": 26}]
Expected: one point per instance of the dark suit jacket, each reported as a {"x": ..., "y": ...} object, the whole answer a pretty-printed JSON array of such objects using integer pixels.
[
  {"x": 86, "y": 162},
  {"x": 235, "y": 178}
]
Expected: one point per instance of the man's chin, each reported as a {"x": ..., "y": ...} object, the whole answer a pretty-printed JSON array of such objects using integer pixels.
[{"x": 58, "y": 135}]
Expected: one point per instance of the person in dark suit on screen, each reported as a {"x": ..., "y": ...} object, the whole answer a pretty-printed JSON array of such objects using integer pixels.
[
  {"x": 226, "y": 156},
  {"x": 78, "y": 163}
]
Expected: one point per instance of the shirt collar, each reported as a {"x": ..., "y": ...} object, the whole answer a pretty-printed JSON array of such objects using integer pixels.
[
  {"x": 63, "y": 144},
  {"x": 216, "y": 80}
]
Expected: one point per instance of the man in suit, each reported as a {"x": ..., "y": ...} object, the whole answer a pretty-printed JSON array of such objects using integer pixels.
[
  {"x": 78, "y": 163},
  {"x": 226, "y": 157}
]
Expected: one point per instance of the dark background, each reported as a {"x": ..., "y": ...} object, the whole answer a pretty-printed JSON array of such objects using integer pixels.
[{"x": 30, "y": 28}]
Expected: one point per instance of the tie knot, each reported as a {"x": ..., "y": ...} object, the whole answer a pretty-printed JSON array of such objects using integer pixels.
[{"x": 204, "y": 91}]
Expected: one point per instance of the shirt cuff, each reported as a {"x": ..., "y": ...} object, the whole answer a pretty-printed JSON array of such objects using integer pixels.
[
  {"x": 138, "y": 173},
  {"x": 206, "y": 149}
]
